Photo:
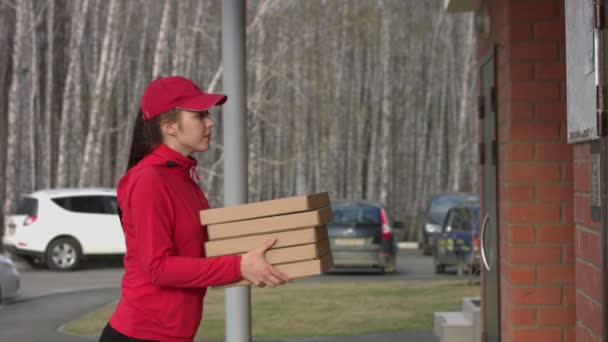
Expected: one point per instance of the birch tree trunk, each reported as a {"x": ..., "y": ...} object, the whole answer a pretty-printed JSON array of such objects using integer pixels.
[
  {"x": 47, "y": 148},
  {"x": 161, "y": 43},
  {"x": 33, "y": 102},
  {"x": 97, "y": 117},
  {"x": 463, "y": 113},
  {"x": 71, "y": 94},
  {"x": 385, "y": 119},
  {"x": 15, "y": 108}
]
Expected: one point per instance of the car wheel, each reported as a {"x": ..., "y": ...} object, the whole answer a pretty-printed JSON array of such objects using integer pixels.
[
  {"x": 63, "y": 254},
  {"x": 439, "y": 268},
  {"x": 392, "y": 266}
]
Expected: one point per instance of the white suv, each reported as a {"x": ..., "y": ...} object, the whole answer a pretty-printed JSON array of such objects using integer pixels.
[{"x": 58, "y": 227}]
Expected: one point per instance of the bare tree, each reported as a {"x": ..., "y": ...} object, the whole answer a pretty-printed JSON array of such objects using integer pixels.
[
  {"x": 161, "y": 43},
  {"x": 71, "y": 94},
  {"x": 15, "y": 107},
  {"x": 105, "y": 78}
]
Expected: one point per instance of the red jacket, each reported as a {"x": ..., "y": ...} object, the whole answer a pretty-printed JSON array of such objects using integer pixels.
[{"x": 166, "y": 272}]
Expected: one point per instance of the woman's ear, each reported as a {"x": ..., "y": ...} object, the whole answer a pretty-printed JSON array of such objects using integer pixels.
[{"x": 169, "y": 127}]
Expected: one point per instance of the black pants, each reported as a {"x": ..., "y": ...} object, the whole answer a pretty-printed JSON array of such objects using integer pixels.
[{"x": 110, "y": 334}]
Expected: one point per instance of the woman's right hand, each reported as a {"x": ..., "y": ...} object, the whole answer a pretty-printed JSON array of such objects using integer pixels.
[{"x": 256, "y": 270}]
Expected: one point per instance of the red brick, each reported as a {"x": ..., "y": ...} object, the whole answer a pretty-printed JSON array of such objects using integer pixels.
[
  {"x": 533, "y": 131},
  {"x": 520, "y": 32},
  {"x": 535, "y": 254},
  {"x": 517, "y": 152},
  {"x": 521, "y": 234},
  {"x": 589, "y": 313},
  {"x": 535, "y": 91},
  {"x": 523, "y": 316},
  {"x": 582, "y": 208},
  {"x": 550, "y": 71},
  {"x": 584, "y": 335},
  {"x": 567, "y": 172},
  {"x": 536, "y": 295},
  {"x": 570, "y": 334},
  {"x": 568, "y": 254},
  {"x": 567, "y": 213},
  {"x": 588, "y": 279},
  {"x": 556, "y": 274},
  {"x": 521, "y": 111},
  {"x": 535, "y": 213},
  {"x": 555, "y": 233},
  {"x": 563, "y": 129},
  {"x": 531, "y": 11},
  {"x": 549, "y": 30},
  {"x": 582, "y": 176},
  {"x": 569, "y": 295},
  {"x": 587, "y": 246},
  {"x": 553, "y": 152},
  {"x": 518, "y": 193},
  {"x": 534, "y": 173},
  {"x": 537, "y": 334},
  {"x": 521, "y": 71},
  {"x": 581, "y": 151},
  {"x": 522, "y": 275},
  {"x": 561, "y": 315},
  {"x": 554, "y": 192},
  {"x": 535, "y": 51},
  {"x": 550, "y": 111}
]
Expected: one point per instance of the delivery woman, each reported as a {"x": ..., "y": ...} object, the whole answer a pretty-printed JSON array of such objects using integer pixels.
[{"x": 166, "y": 271}]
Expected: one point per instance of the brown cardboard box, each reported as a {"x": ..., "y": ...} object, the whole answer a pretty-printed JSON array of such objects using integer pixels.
[
  {"x": 284, "y": 239},
  {"x": 311, "y": 251},
  {"x": 270, "y": 224},
  {"x": 300, "y": 269},
  {"x": 265, "y": 208}
]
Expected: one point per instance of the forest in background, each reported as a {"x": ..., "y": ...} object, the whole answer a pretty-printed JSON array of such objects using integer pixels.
[{"x": 369, "y": 99}]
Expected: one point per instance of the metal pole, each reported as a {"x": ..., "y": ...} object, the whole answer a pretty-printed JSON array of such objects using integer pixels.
[{"x": 238, "y": 299}]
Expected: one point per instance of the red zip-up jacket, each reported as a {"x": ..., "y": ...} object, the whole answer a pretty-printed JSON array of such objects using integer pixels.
[{"x": 166, "y": 272}]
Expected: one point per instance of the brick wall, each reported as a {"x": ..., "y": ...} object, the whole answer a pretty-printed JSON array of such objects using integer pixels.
[
  {"x": 587, "y": 253},
  {"x": 536, "y": 188}
]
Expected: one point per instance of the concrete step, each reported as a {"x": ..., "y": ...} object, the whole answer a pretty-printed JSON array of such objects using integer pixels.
[
  {"x": 451, "y": 321},
  {"x": 471, "y": 306}
]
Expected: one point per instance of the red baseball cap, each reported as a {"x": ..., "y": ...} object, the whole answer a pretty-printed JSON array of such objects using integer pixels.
[{"x": 167, "y": 93}]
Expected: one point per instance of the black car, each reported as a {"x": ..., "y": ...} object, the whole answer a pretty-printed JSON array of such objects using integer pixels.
[
  {"x": 435, "y": 214},
  {"x": 361, "y": 236},
  {"x": 458, "y": 243}
]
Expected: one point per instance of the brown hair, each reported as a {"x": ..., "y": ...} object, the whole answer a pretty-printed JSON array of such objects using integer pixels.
[{"x": 147, "y": 135}]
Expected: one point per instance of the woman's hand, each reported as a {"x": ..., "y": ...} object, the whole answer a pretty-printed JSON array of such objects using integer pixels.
[{"x": 256, "y": 270}]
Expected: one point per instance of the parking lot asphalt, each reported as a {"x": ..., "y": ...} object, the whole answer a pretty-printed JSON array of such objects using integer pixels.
[
  {"x": 50, "y": 299},
  {"x": 41, "y": 319}
]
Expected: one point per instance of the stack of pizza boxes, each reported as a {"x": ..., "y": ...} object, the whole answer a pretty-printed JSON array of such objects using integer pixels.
[{"x": 298, "y": 223}]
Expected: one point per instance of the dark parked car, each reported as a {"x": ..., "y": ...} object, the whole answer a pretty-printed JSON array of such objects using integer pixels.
[
  {"x": 435, "y": 214},
  {"x": 458, "y": 242},
  {"x": 361, "y": 235}
]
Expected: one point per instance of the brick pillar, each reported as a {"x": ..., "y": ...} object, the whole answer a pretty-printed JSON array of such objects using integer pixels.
[
  {"x": 536, "y": 228},
  {"x": 587, "y": 253}
]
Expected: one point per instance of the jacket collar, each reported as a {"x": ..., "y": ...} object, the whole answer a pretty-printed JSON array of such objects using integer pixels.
[{"x": 173, "y": 158}]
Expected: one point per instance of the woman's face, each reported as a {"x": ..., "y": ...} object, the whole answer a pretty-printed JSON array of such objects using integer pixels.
[{"x": 192, "y": 132}]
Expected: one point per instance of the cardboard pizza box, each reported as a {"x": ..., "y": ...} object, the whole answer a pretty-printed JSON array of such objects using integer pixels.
[
  {"x": 299, "y": 269},
  {"x": 314, "y": 218},
  {"x": 244, "y": 244},
  {"x": 274, "y": 207}
]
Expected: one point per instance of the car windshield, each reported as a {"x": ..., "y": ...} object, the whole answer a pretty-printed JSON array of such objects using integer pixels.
[
  {"x": 440, "y": 206},
  {"x": 356, "y": 214}
]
